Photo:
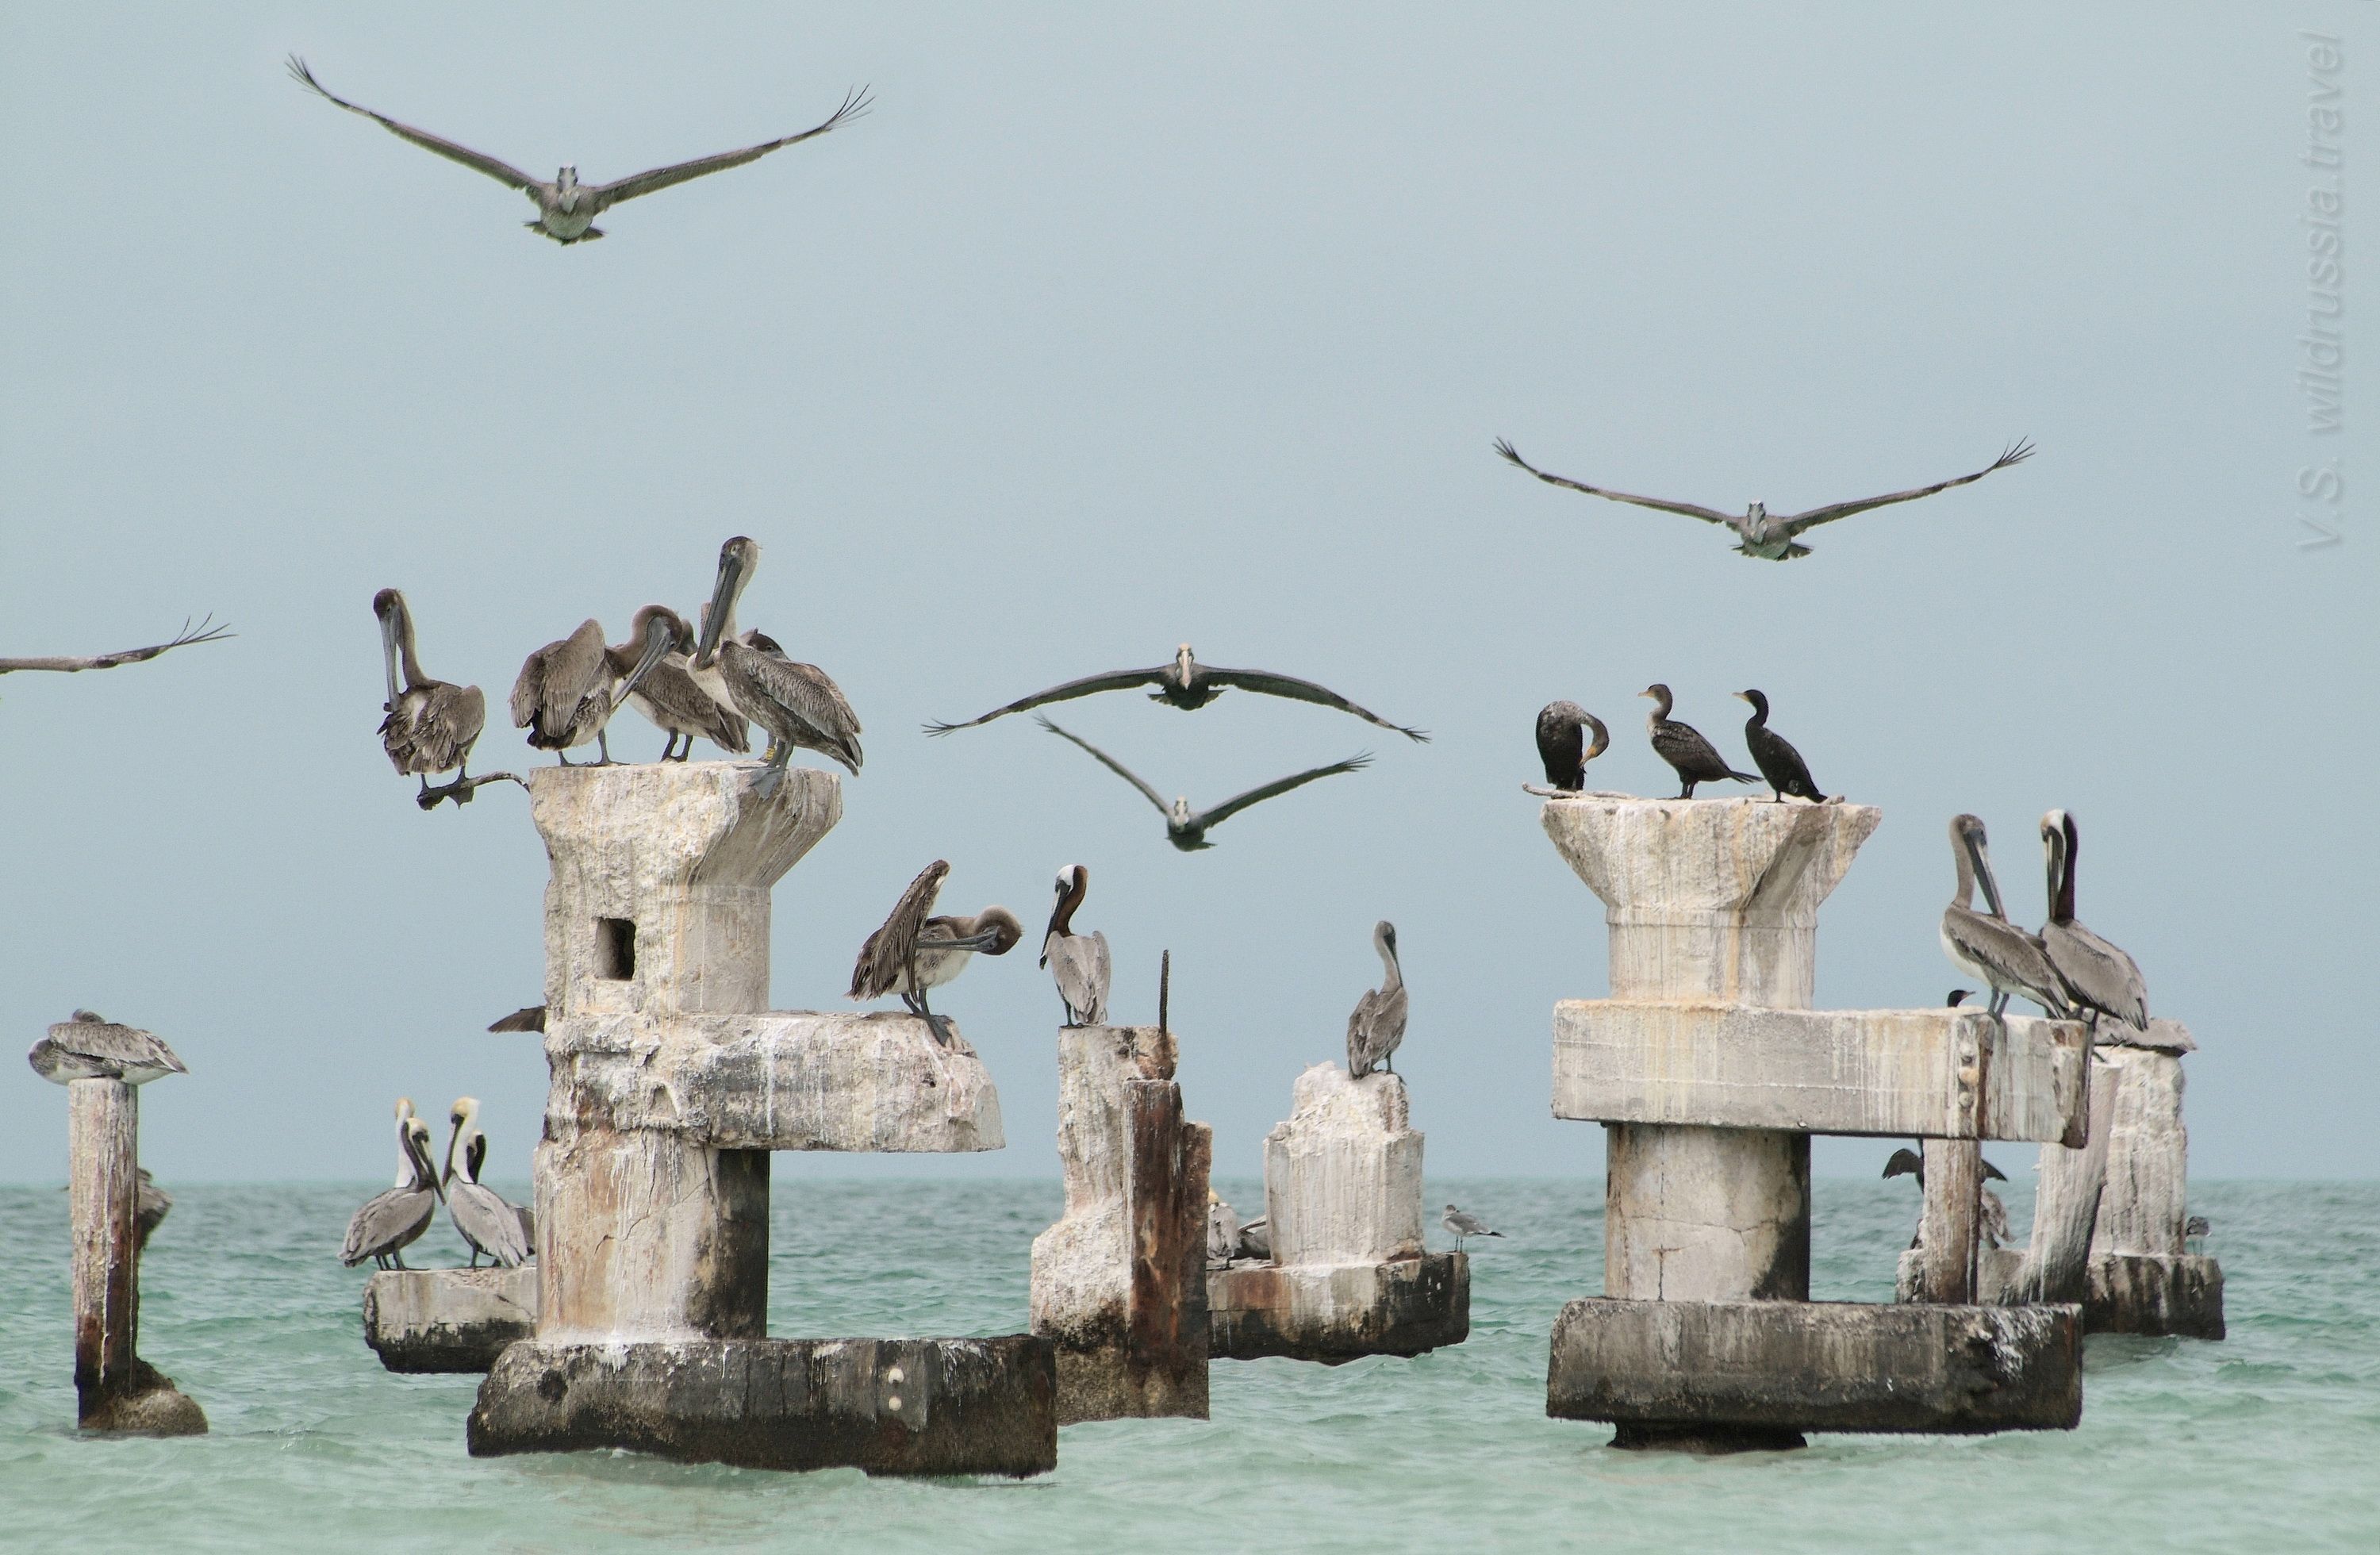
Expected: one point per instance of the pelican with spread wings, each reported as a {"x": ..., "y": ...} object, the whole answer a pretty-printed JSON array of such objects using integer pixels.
[
  {"x": 567, "y": 209},
  {"x": 1186, "y": 830},
  {"x": 1771, "y": 536},
  {"x": 1188, "y": 685}
]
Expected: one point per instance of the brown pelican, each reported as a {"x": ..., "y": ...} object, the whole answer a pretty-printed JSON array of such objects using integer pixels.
[
  {"x": 1561, "y": 744},
  {"x": 567, "y": 690},
  {"x": 1078, "y": 962},
  {"x": 205, "y": 631},
  {"x": 1770, "y": 535},
  {"x": 1987, "y": 945},
  {"x": 1461, "y": 1225},
  {"x": 85, "y": 1045},
  {"x": 670, "y": 694},
  {"x": 431, "y": 724},
  {"x": 798, "y": 704},
  {"x": 567, "y": 209},
  {"x": 1682, "y": 746},
  {"x": 150, "y": 1205},
  {"x": 1223, "y": 1232},
  {"x": 530, "y": 1019},
  {"x": 487, "y": 1224},
  {"x": 1377, "y": 1025},
  {"x": 392, "y": 1220},
  {"x": 1186, "y": 830},
  {"x": 913, "y": 953},
  {"x": 1778, "y": 762},
  {"x": 2098, "y": 975},
  {"x": 1188, "y": 685}
]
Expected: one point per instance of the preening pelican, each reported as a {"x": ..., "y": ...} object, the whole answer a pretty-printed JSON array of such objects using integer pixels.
[
  {"x": 1693, "y": 757},
  {"x": 798, "y": 704},
  {"x": 487, "y": 1224},
  {"x": 1078, "y": 962},
  {"x": 1778, "y": 761},
  {"x": 1561, "y": 744},
  {"x": 567, "y": 209},
  {"x": 670, "y": 694},
  {"x": 1377, "y": 1025},
  {"x": 1188, "y": 685},
  {"x": 205, "y": 631},
  {"x": 431, "y": 724},
  {"x": 1461, "y": 1225},
  {"x": 1770, "y": 535},
  {"x": 2100, "y": 976},
  {"x": 563, "y": 695},
  {"x": 1187, "y": 831},
  {"x": 913, "y": 953},
  {"x": 88, "y": 1046},
  {"x": 392, "y": 1220},
  {"x": 1986, "y": 944}
]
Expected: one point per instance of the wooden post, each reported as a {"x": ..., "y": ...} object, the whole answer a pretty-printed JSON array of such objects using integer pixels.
[
  {"x": 2066, "y": 1205},
  {"x": 116, "y": 1390},
  {"x": 1954, "y": 1187}
]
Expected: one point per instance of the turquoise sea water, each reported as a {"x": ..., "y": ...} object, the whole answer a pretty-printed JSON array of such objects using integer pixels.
[{"x": 2268, "y": 1442}]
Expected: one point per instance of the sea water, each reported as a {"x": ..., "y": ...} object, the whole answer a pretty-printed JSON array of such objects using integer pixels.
[{"x": 2266, "y": 1441}]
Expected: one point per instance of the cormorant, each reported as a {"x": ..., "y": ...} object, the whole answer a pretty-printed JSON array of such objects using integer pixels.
[
  {"x": 1561, "y": 744},
  {"x": 1778, "y": 761},
  {"x": 1682, "y": 746}
]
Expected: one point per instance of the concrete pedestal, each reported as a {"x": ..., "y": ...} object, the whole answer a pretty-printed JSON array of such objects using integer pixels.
[{"x": 448, "y": 1319}]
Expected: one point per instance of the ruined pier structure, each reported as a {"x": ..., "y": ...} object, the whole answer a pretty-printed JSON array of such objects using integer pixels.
[{"x": 1710, "y": 1072}]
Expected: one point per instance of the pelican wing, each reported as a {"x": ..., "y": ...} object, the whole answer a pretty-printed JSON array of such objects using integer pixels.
[
  {"x": 478, "y": 161},
  {"x": 109, "y": 1047},
  {"x": 2099, "y": 973},
  {"x": 488, "y": 1224},
  {"x": 1111, "y": 764},
  {"x": 1689, "y": 509},
  {"x": 2017, "y": 454},
  {"x": 388, "y": 1222},
  {"x": 1239, "y": 802},
  {"x": 885, "y": 957},
  {"x": 808, "y": 692},
  {"x": 530, "y": 1019},
  {"x": 1091, "y": 684},
  {"x": 1271, "y": 685},
  {"x": 676, "y": 702},
  {"x": 854, "y": 104},
  {"x": 205, "y": 631}
]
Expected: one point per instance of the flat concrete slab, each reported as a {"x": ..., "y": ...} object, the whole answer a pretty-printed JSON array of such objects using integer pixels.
[
  {"x": 1938, "y": 1074},
  {"x": 1761, "y": 1371},
  {"x": 2158, "y": 1293},
  {"x": 1334, "y": 1313},
  {"x": 886, "y": 1406},
  {"x": 448, "y": 1319}
]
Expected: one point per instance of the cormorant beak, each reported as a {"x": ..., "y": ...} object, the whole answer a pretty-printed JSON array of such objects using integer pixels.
[{"x": 722, "y": 603}]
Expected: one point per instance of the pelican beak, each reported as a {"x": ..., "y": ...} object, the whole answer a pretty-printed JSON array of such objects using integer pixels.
[
  {"x": 1983, "y": 863},
  {"x": 660, "y": 638},
  {"x": 388, "y": 651},
  {"x": 722, "y": 603}
]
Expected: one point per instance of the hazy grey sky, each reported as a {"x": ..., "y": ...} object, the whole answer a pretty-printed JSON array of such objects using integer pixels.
[{"x": 1115, "y": 327}]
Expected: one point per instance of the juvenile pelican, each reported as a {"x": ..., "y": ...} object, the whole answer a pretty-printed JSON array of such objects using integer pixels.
[
  {"x": 487, "y": 1224},
  {"x": 1778, "y": 761},
  {"x": 394, "y": 1220},
  {"x": 1078, "y": 962},
  {"x": 87, "y": 1046},
  {"x": 670, "y": 694},
  {"x": 431, "y": 724},
  {"x": 2099, "y": 975},
  {"x": 568, "y": 690},
  {"x": 1986, "y": 944},
  {"x": 913, "y": 953},
  {"x": 1693, "y": 757},
  {"x": 567, "y": 209},
  {"x": 1187, "y": 831},
  {"x": 1377, "y": 1025},
  {"x": 1770, "y": 535},
  {"x": 1561, "y": 744},
  {"x": 1188, "y": 685},
  {"x": 1462, "y": 1225},
  {"x": 798, "y": 705}
]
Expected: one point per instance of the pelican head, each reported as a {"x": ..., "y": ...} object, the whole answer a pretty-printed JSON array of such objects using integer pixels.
[
  {"x": 1003, "y": 928},
  {"x": 736, "y": 560},
  {"x": 662, "y": 631},
  {"x": 1384, "y": 939},
  {"x": 1073, "y": 880},
  {"x": 1967, "y": 833},
  {"x": 404, "y": 1108},
  {"x": 566, "y": 183},
  {"x": 389, "y": 605},
  {"x": 1183, "y": 658},
  {"x": 465, "y": 1117},
  {"x": 1756, "y": 514}
]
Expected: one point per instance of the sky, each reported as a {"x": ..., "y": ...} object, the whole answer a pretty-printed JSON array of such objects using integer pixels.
[{"x": 1117, "y": 327}]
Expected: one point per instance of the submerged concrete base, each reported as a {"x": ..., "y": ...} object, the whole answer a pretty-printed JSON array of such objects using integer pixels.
[
  {"x": 147, "y": 1404},
  {"x": 2156, "y": 1293},
  {"x": 1721, "y": 1375},
  {"x": 448, "y": 1319},
  {"x": 925, "y": 1406},
  {"x": 1336, "y": 1312}
]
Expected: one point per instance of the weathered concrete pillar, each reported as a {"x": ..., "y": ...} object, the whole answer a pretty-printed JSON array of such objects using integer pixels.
[
  {"x": 114, "y": 1389},
  {"x": 448, "y": 1319},
  {"x": 1119, "y": 1282}
]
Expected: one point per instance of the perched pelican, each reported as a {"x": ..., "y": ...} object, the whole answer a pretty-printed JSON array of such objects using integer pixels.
[
  {"x": 205, "y": 631},
  {"x": 2007, "y": 958},
  {"x": 913, "y": 953},
  {"x": 1187, "y": 831},
  {"x": 1078, "y": 962},
  {"x": 1188, "y": 685},
  {"x": 392, "y": 1220},
  {"x": 150, "y": 1205},
  {"x": 798, "y": 704},
  {"x": 567, "y": 209},
  {"x": 1223, "y": 1232},
  {"x": 568, "y": 690},
  {"x": 1778, "y": 762},
  {"x": 1770, "y": 535},
  {"x": 431, "y": 724},
  {"x": 1462, "y": 1225},
  {"x": 87, "y": 1046},
  {"x": 1561, "y": 744},
  {"x": 2099, "y": 975},
  {"x": 677, "y": 701},
  {"x": 487, "y": 1224},
  {"x": 1682, "y": 746},
  {"x": 1255, "y": 1238},
  {"x": 1377, "y": 1024}
]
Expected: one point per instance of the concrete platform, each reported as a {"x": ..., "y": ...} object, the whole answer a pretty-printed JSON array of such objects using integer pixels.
[
  {"x": 1757, "y": 1374},
  {"x": 887, "y": 1407},
  {"x": 448, "y": 1319},
  {"x": 2155, "y": 1294},
  {"x": 1333, "y": 1313}
]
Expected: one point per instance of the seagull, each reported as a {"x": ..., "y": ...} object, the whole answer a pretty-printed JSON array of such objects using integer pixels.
[
  {"x": 1770, "y": 535},
  {"x": 431, "y": 724},
  {"x": 913, "y": 953},
  {"x": 2195, "y": 1228},
  {"x": 486, "y": 1223},
  {"x": 1462, "y": 1225},
  {"x": 567, "y": 209},
  {"x": 205, "y": 631},
  {"x": 88, "y": 1046},
  {"x": 1188, "y": 685},
  {"x": 1186, "y": 830},
  {"x": 1377, "y": 1024},
  {"x": 395, "y": 1219},
  {"x": 1078, "y": 962}
]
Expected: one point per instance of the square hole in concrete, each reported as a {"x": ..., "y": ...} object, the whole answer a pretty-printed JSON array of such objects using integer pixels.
[{"x": 615, "y": 948}]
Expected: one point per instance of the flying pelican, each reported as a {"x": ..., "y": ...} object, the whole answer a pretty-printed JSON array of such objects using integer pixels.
[
  {"x": 798, "y": 704},
  {"x": 87, "y": 1046},
  {"x": 150, "y": 1205},
  {"x": 488, "y": 1224},
  {"x": 2006, "y": 957},
  {"x": 1770, "y": 535},
  {"x": 1695, "y": 759},
  {"x": 1461, "y": 1225},
  {"x": 567, "y": 209},
  {"x": 1377, "y": 1025},
  {"x": 670, "y": 695},
  {"x": 1561, "y": 744},
  {"x": 1778, "y": 761},
  {"x": 394, "y": 1220},
  {"x": 1186, "y": 830},
  {"x": 568, "y": 691},
  {"x": 205, "y": 631},
  {"x": 1078, "y": 962},
  {"x": 1188, "y": 685},
  {"x": 913, "y": 953},
  {"x": 431, "y": 724},
  {"x": 2099, "y": 975}
]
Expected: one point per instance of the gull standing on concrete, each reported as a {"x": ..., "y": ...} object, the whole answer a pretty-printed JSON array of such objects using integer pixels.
[
  {"x": 567, "y": 209},
  {"x": 88, "y": 1046},
  {"x": 488, "y": 1224},
  {"x": 2100, "y": 976},
  {"x": 431, "y": 724},
  {"x": 1188, "y": 685},
  {"x": 1561, "y": 744},
  {"x": 1186, "y": 830},
  {"x": 798, "y": 704},
  {"x": 1465, "y": 1225},
  {"x": 1986, "y": 944},
  {"x": 1378, "y": 1023},
  {"x": 670, "y": 695},
  {"x": 1693, "y": 757},
  {"x": 912, "y": 952},
  {"x": 392, "y": 1220},
  {"x": 1778, "y": 761},
  {"x": 1077, "y": 963}
]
